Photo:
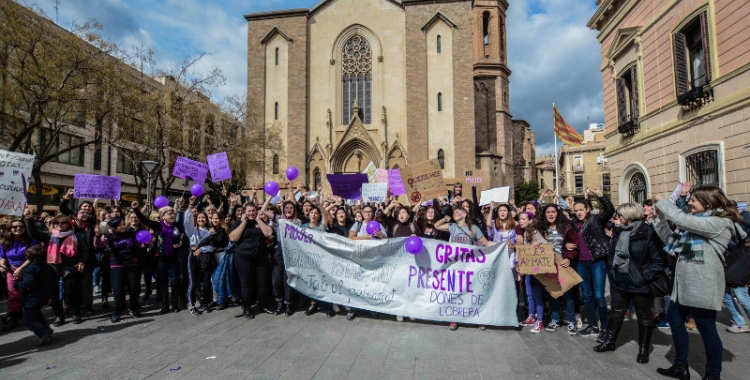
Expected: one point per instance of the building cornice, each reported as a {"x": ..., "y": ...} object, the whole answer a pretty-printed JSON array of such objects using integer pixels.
[
  {"x": 600, "y": 13},
  {"x": 438, "y": 17},
  {"x": 406, "y": 3},
  {"x": 485, "y": 69},
  {"x": 616, "y": 19},
  {"x": 296, "y": 12},
  {"x": 274, "y": 31}
]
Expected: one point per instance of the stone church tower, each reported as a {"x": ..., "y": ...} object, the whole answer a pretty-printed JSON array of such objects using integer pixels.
[{"x": 386, "y": 81}]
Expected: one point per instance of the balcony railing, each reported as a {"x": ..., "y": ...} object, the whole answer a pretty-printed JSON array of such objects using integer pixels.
[
  {"x": 578, "y": 189},
  {"x": 629, "y": 127},
  {"x": 699, "y": 94}
]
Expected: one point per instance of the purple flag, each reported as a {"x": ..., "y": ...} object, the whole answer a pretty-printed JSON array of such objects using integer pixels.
[{"x": 347, "y": 186}]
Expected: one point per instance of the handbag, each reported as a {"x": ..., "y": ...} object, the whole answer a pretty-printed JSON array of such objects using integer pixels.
[
  {"x": 737, "y": 264},
  {"x": 661, "y": 285}
]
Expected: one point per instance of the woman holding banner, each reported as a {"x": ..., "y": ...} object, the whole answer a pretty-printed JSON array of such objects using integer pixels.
[
  {"x": 282, "y": 292},
  {"x": 319, "y": 220},
  {"x": 501, "y": 227},
  {"x": 359, "y": 229},
  {"x": 527, "y": 224},
  {"x": 463, "y": 231}
]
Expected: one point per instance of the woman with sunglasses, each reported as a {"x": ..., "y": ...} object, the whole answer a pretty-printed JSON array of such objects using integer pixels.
[
  {"x": 12, "y": 255},
  {"x": 68, "y": 253}
]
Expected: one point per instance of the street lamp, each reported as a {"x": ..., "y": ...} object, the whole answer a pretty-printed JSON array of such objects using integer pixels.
[{"x": 149, "y": 167}]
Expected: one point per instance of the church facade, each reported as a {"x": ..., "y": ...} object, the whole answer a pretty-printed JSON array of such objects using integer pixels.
[{"x": 391, "y": 82}]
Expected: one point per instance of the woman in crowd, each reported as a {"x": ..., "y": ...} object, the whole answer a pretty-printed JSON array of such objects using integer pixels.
[
  {"x": 145, "y": 259},
  {"x": 427, "y": 224},
  {"x": 124, "y": 268},
  {"x": 282, "y": 292},
  {"x": 319, "y": 220},
  {"x": 462, "y": 231},
  {"x": 173, "y": 243},
  {"x": 102, "y": 277},
  {"x": 501, "y": 227},
  {"x": 559, "y": 232},
  {"x": 200, "y": 262},
  {"x": 402, "y": 225},
  {"x": 250, "y": 260},
  {"x": 635, "y": 261},
  {"x": 359, "y": 229},
  {"x": 15, "y": 242},
  {"x": 699, "y": 241},
  {"x": 593, "y": 248},
  {"x": 341, "y": 223},
  {"x": 530, "y": 235},
  {"x": 67, "y": 252},
  {"x": 216, "y": 242}
]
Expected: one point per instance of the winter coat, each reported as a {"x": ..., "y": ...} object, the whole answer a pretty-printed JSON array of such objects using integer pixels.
[
  {"x": 37, "y": 283},
  {"x": 593, "y": 230},
  {"x": 647, "y": 260}
]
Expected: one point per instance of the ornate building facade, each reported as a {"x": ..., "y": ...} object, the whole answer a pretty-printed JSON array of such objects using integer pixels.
[{"x": 391, "y": 82}]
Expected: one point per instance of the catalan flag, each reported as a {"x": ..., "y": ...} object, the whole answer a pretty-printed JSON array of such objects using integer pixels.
[{"x": 565, "y": 132}]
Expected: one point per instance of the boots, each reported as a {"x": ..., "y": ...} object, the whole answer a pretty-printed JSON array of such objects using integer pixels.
[
  {"x": 675, "y": 371},
  {"x": 175, "y": 298},
  {"x": 607, "y": 345},
  {"x": 644, "y": 342},
  {"x": 279, "y": 308},
  {"x": 615, "y": 324},
  {"x": 164, "y": 291}
]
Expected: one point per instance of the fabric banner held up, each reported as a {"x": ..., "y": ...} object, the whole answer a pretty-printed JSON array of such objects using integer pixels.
[{"x": 446, "y": 282}]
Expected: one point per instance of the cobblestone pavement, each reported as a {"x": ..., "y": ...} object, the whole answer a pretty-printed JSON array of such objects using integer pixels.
[{"x": 220, "y": 346}]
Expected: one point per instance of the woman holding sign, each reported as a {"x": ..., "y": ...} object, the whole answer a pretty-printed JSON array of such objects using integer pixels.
[
  {"x": 463, "y": 231},
  {"x": 530, "y": 235}
]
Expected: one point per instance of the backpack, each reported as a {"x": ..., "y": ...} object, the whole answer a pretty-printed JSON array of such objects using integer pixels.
[{"x": 737, "y": 263}]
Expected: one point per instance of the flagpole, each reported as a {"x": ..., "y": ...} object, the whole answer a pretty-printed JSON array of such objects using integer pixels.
[{"x": 557, "y": 169}]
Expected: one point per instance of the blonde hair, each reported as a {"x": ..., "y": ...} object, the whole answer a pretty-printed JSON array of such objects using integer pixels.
[
  {"x": 632, "y": 212},
  {"x": 165, "y": 210}
]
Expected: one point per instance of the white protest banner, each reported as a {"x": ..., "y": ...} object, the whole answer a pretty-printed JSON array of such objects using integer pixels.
[
  {"x": 374, "y": 192},
  {"x": 15, "y": 177},
  {"x": 94, "y": 186},
  {"x": 372, "y": 173},
  {"x": 497, "y": 195},
  {"x": 447, "y": 282}
]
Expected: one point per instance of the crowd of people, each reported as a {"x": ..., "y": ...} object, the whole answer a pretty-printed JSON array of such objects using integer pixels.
[{"x": 201, "y": 257}]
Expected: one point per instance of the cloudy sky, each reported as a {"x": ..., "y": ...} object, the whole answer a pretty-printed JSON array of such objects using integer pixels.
[{"x": 553, "y": 55}]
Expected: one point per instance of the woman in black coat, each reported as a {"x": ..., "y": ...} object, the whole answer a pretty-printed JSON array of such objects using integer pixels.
[{"x": 634, "y": 262}]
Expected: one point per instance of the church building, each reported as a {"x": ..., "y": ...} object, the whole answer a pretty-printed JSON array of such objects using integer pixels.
[{"x": 393, "y": 82}]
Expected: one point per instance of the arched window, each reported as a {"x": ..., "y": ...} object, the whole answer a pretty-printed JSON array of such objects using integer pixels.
[
  {"x": 356, "y": 79},
  {"x": 275, "y": 166},
  {"x": 317, "y": 179},
  {"x": 441, "y": 158},
  {"x": 486, "y": 27},
  {"x": 637, "y": 188},
  {"x": 277, "y": 56},
  {"x": 276, "y": 111},
  {"x": 440, "y": 101},
  {"x": 439, "y": 43}
]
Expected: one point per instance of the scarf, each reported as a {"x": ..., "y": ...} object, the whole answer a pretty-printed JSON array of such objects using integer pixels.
[
  {"x": 685, "y": 244},
  {"x": 61, "y": 243},
  {"x": 622, "y": 252},
  {"x": 166, "y": 234}
]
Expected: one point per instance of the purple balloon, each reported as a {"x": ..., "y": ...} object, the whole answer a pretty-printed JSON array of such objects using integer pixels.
[
  {"x": 272, "y": 188},
  {"x": 292, "y": 173},
  {"x": 373, "y": 227},
  {"x": 143, "y": 237},
  {"x": 161, "y": 201},
  {"x": 414, "y": 245},
  {"x": 197, "y": 190}
]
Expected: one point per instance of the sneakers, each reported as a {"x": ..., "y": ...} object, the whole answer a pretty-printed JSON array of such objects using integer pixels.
[
  {"x": 629, "y": 315},
  {"x": 482, "y": 327},
  {"x": 530, "y": 321},
  {"x": 453, "y": 326},
  {"x": 400, "y": 318},
  {"x": 538, "y": 327},
  {"x": 737, "y": 329},
  {"x": 589, "y": 330},
  {"x": 572, "y": 329},
  {"x": 97, "y": 290},
  {"x": 115, "y": 318},
  {"x": 135, "y": 313},
  {"x": 579, "y": 321},
  {"x": 350, "y": 315},
  {"x": 690, "y": 324},
  {"x": 552, "y": 326},
  {"x": 602, "y": 336},
  {"x": 663, "y": 325}
]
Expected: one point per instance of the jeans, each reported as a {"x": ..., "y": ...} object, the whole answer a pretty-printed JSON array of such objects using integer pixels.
[
  {"x": 35, "y": 321},
  {"x": 566, "y": 301},
  {"x": 594, "y": 275},
  {"x": 706, "y": 321},
  {"x": 534, "y": 297},
  {"x": 126, "y": 278},
  {"x": 743, "y": 298}
]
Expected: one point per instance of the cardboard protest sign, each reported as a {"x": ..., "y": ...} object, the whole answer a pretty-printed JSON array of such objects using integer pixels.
[
  {"x": 423, "y": 181},
  {"x": 218, "y": 164},
  {"x": 374, "y": 192},
  {"x": 347, "y": 186},
  {"x": 497, "y": 195},
  {"x": 15, "y": 177},
  {"x": 533, "y": 260},
  {"x": 395, "y": 183},
  {"x": 93, "y": 186},
  {"x": 372, "y": 173},
  {"x": 479, "y": 178},
  {"x": 557, "y": 284},
  {"x": 381, "y": 175},
  {"x": 186, "y": 168}
]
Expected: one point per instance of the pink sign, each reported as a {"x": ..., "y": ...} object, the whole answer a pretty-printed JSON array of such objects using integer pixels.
[{"x": 395, "y": 184}]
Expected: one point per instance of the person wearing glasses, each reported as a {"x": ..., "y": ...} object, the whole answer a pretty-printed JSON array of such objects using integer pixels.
[
  {"x": 12, "y": 255},
  {"x": 68, "y": 253}
]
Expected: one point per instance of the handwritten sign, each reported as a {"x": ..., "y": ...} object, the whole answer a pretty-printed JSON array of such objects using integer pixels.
[
  {"x": 395, "y": 183},
  {"x": 374, "y": 192},
  {"x": 218, "y": 164},
  {"x": 497, "y": 195},
  {"x": 96, "y": 186},
  {"x": 742, "y": 206},
  {"x": 372, "y": 173},
  {"x": 347, "y": 186},
  {"x": 423, "y": 181},
  {"x": 15, "y": 177},
  {"x": 558, "y": 283},
  {"x": 536, "y": 260},
  {"x": 479, "y": 178},
  {"x": 186, "y": 168}
]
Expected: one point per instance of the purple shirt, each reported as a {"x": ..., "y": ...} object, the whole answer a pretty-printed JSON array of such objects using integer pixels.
[
  {"x": 584, "y": 254},
  {"x": 16, "y": 253}
]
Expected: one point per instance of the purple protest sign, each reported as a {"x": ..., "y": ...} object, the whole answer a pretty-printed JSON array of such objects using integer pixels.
[
  {"x": 347, "y": 186},
  {"x": 96, "y": 186},
  {"x": 395, "y": 184},
  {"x": 186, "y": 168},
  {"x": 218, "y": 164}
]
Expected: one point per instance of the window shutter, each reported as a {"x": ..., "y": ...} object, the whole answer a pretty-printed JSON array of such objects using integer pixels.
[
  {"x": 680, "y": 64},
  {"x": 706, "y": 44},
  {"x": 634, "y": 92},
  {"x": 622, "y": 110}
]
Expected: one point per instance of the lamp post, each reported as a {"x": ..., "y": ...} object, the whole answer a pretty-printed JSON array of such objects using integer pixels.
[{"x": 149, "y": 167}]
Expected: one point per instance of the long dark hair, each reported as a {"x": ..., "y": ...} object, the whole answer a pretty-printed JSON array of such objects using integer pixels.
[
  {"x": 8, "y": 239},
  {"x": 509, "y": 222},
  {"x": 530, "y": 230},
  {"x": 562, "y": 224}
]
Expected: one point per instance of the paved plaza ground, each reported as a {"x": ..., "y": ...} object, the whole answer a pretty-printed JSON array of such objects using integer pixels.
[{"x": 220, "y": 346}]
